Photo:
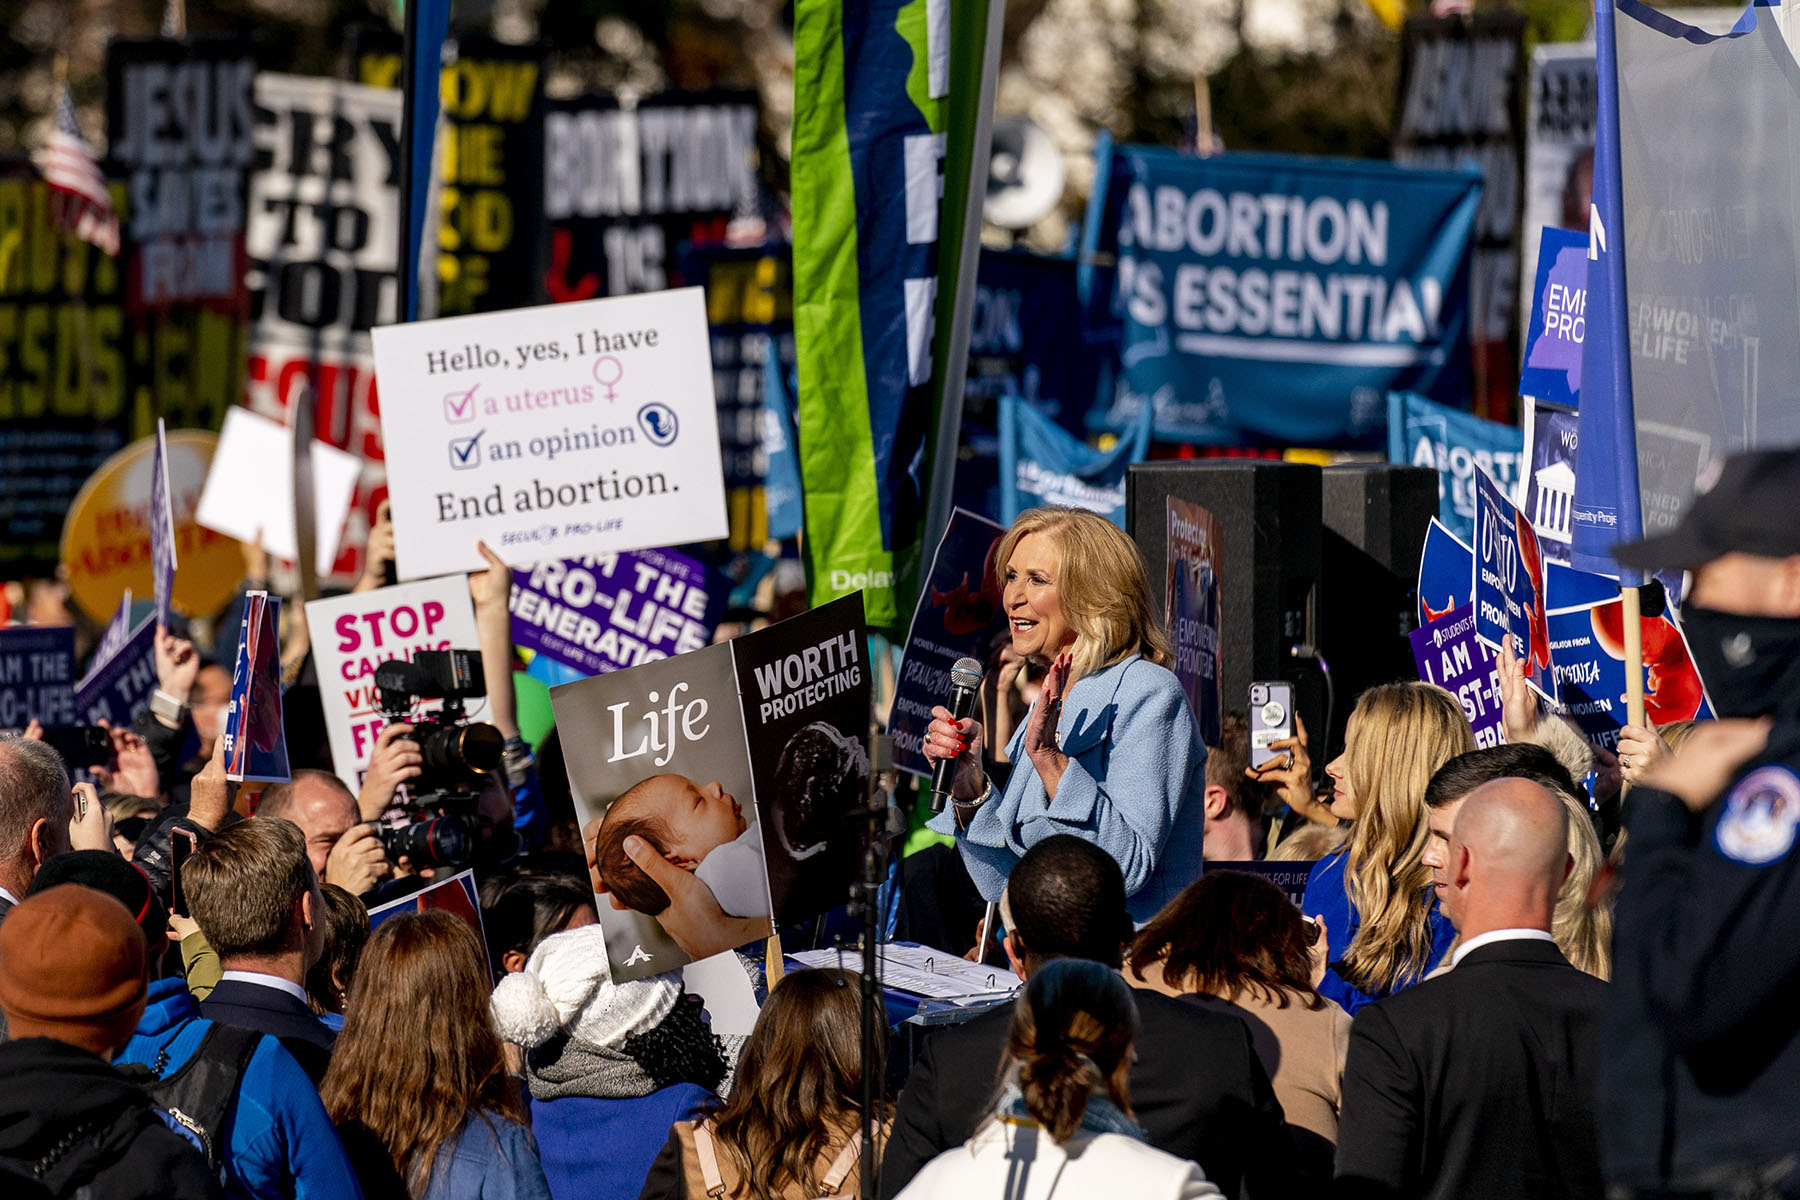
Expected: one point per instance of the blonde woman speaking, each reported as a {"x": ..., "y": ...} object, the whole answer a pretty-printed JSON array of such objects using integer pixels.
[{"x": 1110, "y": 752}]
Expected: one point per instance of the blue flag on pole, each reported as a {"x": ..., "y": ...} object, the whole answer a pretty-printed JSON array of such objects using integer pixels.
[
  {"x": 781, "y": 486},
  {"x": 1607, "y": 508},
  {"x": 1043, "y": 463}
]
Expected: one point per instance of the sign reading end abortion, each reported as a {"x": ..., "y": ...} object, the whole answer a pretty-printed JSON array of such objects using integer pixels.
[{"x": 551, "y": 432}]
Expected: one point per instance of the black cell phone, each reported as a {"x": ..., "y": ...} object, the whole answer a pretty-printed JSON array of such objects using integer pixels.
[
  {"x": 80, "y": 745},
  {"x": 181, "y": 844}
]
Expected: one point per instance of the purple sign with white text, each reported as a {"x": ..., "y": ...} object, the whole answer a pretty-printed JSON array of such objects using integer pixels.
[
  {"x": 1449, "y": 655},
  {"x": 612, "y": 611}
]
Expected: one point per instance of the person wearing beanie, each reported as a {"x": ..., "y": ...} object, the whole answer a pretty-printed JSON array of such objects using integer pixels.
[
  {"x": 106, "y": 872},
  {"x": 610, "y": 1066},
  {"x": 72, "y": 984}
]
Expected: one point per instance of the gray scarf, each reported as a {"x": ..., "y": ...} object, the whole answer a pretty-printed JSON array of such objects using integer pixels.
[{"x": 567, "y": 1066}]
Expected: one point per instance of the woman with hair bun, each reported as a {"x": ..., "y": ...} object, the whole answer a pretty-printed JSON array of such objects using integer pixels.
[
  {"x": 1063, "y": 1124},
  {"x": 1110, "y": 752}
]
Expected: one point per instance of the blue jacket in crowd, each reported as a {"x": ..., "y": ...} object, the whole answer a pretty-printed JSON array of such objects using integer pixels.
[
  {"x": 282, "y": 1143},
  {"x": 1135, "y": 787},
  {"x": 492, "y": 1159},
  {"x": 602, "y": 1149},
  {"x": 1328, "y": 897}
]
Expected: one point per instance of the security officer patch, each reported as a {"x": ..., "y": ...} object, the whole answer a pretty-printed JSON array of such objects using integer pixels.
[{"x": 1760, "y": 818}]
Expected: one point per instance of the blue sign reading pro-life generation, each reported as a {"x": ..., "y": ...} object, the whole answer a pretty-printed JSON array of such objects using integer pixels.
[{"x": 1269, "y": 298}]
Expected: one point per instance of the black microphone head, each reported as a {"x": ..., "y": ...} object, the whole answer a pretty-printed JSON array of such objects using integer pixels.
[{"x": 966, "y": 673}]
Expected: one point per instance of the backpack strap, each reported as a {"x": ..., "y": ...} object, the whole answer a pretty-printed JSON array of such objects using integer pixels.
[
  {"x": 841, "y": 1166},
  {"x": 201, "y": 1093},
  {"x": 709, "y": 1161}
]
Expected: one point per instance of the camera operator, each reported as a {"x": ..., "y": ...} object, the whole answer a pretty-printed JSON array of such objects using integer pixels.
[
  {"x": 503, "y": 807},
  {"x": 344, "y": 849}
]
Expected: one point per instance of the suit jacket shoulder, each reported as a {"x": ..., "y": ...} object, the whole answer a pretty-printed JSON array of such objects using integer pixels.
[{"x": 1493, "y": 977}]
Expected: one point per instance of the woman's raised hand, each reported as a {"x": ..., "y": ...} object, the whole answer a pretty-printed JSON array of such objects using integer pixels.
[{"x": 1290, "y": 772}]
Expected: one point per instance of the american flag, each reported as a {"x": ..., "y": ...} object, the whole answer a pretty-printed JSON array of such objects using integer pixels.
[{"x": 78, "y": 197}]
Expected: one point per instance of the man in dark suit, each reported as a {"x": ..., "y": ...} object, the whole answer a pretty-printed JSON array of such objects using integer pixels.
[
  {"x": 1197, "y": 1087},
  {"x": 254, "y": 895},
  {"x": 1481, "y": 1082}
]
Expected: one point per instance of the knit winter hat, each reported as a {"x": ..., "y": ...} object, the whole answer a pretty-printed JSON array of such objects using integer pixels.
[
  {"x": 106, "y": 872},
  {"x": 567, "y": 987},
  {"x": 72, "y": 968}
]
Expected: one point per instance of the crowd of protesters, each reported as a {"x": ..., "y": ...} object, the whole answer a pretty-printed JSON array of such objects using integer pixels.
[{"x": 1465, "y": 1003}]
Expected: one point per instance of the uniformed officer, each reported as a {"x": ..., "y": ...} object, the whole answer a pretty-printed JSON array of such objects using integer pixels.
[{"x": 1701, "y": 1067}]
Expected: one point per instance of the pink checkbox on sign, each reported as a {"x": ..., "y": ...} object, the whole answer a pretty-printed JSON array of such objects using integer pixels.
[{"x": 459, "y": 407}]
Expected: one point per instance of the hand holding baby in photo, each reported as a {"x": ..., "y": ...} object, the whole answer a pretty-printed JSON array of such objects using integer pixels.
[{"x": 700, "y": 829}]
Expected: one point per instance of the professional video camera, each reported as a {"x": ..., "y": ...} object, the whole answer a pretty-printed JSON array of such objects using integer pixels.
[{"x": 459, "y": 755}]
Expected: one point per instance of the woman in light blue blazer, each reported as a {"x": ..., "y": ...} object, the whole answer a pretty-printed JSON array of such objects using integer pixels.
[{"x": 1111, "y": 751}]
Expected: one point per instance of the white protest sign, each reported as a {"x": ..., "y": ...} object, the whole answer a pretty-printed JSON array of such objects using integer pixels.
[
  {"x": 552, "y": 432},
  {"x": 250, "y": 488},
  {"x": 354, "y": 634}
]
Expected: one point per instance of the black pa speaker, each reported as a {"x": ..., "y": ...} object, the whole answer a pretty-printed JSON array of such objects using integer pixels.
[
  {"x": 1268, "y": 514},
  {"x": 1375, "y": 517}
]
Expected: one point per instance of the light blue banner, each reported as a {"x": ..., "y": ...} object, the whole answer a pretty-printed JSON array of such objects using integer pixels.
[
  {"x": 1043, "y": 463},
  {"x": 1423, "y": 433}
]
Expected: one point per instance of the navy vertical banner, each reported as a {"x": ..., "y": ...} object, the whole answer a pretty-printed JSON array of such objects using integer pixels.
[
  {"x": 1607, "y": 507},
  {"x": 1274, "y": 299},
  {"x": 750, "y": 311},
  {"x": 959, "y": 615},
  {"x": 1027, "y": 339},
  {"x": 1462, "y": 98}
]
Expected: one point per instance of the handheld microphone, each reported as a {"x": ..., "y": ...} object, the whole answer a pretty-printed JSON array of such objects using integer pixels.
[{"x": 965, "y": 682}]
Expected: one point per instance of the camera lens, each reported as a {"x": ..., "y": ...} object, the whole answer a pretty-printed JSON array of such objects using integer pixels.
[
  {"x": 434, "y": 842},
  {"x": 461, "y": 749}
]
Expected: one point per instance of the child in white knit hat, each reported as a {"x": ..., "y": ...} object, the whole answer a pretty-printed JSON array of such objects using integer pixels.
[{"x": 609, "y": 1066}]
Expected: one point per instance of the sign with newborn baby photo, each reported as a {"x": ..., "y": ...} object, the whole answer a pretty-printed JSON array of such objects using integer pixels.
[{"x": 740, "y": 764}]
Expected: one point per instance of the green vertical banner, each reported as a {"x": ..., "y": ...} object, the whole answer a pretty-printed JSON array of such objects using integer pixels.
[{"x": 871, "y": 86}]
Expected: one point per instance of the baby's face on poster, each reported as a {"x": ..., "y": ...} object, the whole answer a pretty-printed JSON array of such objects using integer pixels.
[{"x": 699, "y": 818}]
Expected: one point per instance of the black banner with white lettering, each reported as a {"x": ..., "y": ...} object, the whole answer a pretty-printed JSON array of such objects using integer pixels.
[
  {"x": 491, "y": 236},
  {"x": 81, "y": 375},
  {"x": 750, "y": 311},
  {"x": 179, "y": 127},
  {"x": 1462, "y": 97},
  {"x": 323, "y": 239},
  {"x": 624, "y": 188}
]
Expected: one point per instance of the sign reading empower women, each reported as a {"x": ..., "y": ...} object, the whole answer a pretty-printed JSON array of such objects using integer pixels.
[{"x": 551, "y": 432}]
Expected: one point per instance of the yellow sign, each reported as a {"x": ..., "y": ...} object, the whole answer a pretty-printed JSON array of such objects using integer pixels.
[{"x": 106, "y": 536}]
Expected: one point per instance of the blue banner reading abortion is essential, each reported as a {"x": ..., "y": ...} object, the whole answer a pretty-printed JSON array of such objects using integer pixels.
[
  {"x": 1270, "y": 298},
  {"x": 1423, "y": 433}
]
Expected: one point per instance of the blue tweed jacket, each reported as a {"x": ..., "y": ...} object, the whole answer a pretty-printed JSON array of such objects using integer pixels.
[{"x": 1133, "y": 787}]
